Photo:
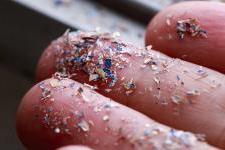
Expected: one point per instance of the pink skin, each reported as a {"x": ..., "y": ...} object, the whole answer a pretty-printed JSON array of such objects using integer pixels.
[
  {"x": 209, "y": 52},
  {"x": 156, "y": 94},
  {"x": 73, "y": 147},
  {"x": 69, "y": 115}
]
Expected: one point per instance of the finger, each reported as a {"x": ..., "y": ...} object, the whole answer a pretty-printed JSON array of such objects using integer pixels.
[
  {"x": 165, "y": 35},
  {"x": 171, "y": 91},
  {"x": 59, "y": 112},
  {"x": 73, "y": 147}
]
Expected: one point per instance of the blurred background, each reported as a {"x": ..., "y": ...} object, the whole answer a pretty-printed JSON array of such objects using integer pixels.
[{"x": 28, "y": 26}]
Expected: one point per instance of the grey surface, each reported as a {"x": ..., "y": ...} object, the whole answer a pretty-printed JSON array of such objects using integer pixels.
[
  {"x": 24, "y": 35},
  {"x": 12, "y": 87},
  {"x": 139, "y": 10},
  {"x": 86, "y": 15}
]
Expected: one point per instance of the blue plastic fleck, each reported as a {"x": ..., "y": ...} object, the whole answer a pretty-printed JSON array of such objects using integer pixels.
[{"x": 108, "y": 63}]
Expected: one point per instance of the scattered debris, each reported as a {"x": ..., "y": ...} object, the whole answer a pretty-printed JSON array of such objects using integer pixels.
[
  {"x": 92, "y": 55},
  {"x": 97, "y": 109},
  {"x": 193, "y": 92},
  {"x": 154, "y": 67},
  {"x": 79, "y": 115},
  {"x": 115, "y": 34},
  {"x": 46, "y": 92},
  {"x": 147, "y": 61},
  {"x": 108, "y": 63},
  {"x": 215, "y": 84},
  {"x": 84, "y": 126},
  {"x": 80, "y": 90},
  {"x": 57, "y": 130},
  {"x": 178, "y": 77},
  {"x": 178, "y": 139},
  {"x": 201, "y": 72},
  {"x": 176, "y": 99},
  {"x": 110, "y": 105},
  {"x": 59, "y": 76},
  {"x": 93, "y": 77},
  {"x": 200, "y": 137},
  {"x": 54, "y": 83},
  {"x": 190, "y": 26},
  {"x": 105, "y": 118},
  {"x": 149, "y": 47},
  {"x": 129, "y": 92},
  {"x": 90, "y": 86},
  {"x": 108, "y": 90},
  {"x": 71, "y": 85},
  {"x": 157, "y": 80},
  {"x": 101, "y": 73},
  {"x": 129, "y": 87},
  {"x": 168, "y": 22},
  {"x": 101, "y": 69}
]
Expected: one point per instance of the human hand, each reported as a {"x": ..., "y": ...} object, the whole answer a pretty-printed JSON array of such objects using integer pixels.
[{"x": 60, "y": 111}]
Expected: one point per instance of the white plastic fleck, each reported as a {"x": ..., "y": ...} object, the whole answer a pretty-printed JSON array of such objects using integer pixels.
[
  {"x": 57, "y": 130},
  {"x": 105, "y": 118},
  {"x": 84, "y": 126}
]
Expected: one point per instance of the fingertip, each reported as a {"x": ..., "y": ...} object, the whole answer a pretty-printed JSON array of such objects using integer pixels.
[
  {"x": 32, "y": 120},
  {"x": 46, "y": 63},
  {"x": 203, "y": 49}
]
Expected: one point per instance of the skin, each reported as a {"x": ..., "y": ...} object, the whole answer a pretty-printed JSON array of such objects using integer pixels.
[
  {"x": 162, "y": 33},
  {"x": 194, "y": 114},
  {"x": 67, "y": 115},
  {"x": 157, "y": 92},
  {"x": 73, "y": 147}
]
